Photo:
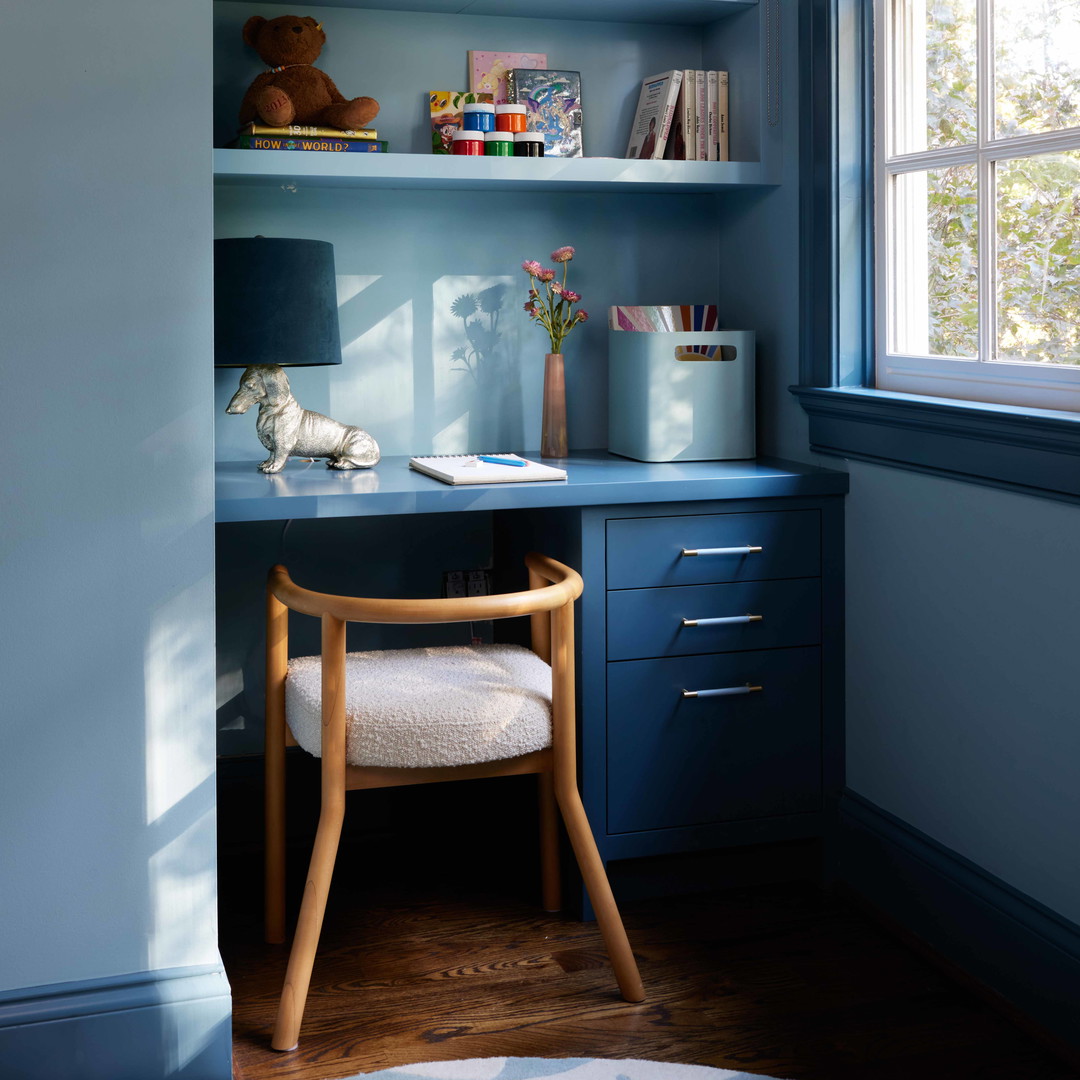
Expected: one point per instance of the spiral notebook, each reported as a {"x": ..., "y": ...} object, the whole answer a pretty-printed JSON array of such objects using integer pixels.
[{"x": 469, "y": 469}]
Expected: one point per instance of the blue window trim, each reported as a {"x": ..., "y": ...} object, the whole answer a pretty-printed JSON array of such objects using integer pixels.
[{"x": 1036, "y": 451}]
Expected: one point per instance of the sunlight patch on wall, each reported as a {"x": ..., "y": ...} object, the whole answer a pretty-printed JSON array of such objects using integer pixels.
[
  {"x": 373, "y": 388},
  {"x": 453, "y": 436},
  {"x": 350, "y": 286},
  {"x": 180, "y": 745}
]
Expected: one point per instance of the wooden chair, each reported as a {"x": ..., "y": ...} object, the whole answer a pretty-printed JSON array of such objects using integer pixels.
[{"x": 353, "y": 757}]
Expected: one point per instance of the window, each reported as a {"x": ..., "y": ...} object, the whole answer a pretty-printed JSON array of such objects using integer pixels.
[{"x": 977, "y": 200}]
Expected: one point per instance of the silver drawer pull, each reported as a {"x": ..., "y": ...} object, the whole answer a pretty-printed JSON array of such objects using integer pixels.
[
  {"x": 746, "y": 549},
  {"x": 724, "y": 620},
  {"x": 725, "y": 691}
]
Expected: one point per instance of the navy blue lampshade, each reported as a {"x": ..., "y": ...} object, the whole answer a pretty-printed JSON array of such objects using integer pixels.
[{"x": 275, "y": 302}]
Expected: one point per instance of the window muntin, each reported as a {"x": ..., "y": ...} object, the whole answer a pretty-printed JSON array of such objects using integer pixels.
[{"x": 978, "y": 232}]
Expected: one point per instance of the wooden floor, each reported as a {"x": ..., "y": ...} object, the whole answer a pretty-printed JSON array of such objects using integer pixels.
[{"x": 453, "y": 959}]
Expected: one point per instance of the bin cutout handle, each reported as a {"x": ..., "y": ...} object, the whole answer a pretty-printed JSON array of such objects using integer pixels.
[{"x": 706, "y": 352}]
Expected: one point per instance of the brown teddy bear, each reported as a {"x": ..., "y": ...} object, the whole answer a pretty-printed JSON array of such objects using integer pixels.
[{"x": 292, "y": 91}]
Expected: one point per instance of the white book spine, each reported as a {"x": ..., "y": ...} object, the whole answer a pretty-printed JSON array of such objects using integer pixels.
[
  {"x": 702, "y": 115},
  {"x": 669, "y": 112},
  {"x": 690, "y": 113},
  {"x": 722, "y": 116},
  {"x": 712, "y": 109}
]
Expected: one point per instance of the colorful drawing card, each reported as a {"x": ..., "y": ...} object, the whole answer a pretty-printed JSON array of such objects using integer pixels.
[
  {"x": 487, "y": 70},
  {"x": 446, "y": 109},
  {"x": 552, "y": 101}
]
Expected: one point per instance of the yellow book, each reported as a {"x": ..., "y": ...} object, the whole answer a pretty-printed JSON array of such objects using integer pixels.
[{"x": 300, "y": 131}]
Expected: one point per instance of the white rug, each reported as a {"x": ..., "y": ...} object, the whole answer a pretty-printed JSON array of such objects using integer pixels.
[{"x": 564, "y": 1068}]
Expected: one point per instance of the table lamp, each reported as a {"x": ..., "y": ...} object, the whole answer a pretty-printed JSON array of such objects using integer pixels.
[
  {"x": 275, "y": 306},
  {"x": 275, "y": 302}
]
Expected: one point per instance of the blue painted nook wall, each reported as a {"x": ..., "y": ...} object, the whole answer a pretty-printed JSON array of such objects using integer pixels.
[
  {"x": 410, "y": 263},
  {"x": 107, "y": 793},
  {"x": 962, "y": 652}
]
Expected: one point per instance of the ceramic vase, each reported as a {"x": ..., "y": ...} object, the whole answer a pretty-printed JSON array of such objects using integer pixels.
[{"x": 553, "y": 441}]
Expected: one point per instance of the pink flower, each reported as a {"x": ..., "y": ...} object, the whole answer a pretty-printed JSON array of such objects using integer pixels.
[
  {"x": 529, "y": 307},
  {"x": 569, "y": 294},
  {"x": 531, "y": 267},
  {"x": 581, "y": 316},
  {"x": 545, "y": 275},
  {"x": 563, "y": 254},
  {"x": 557, "y": 289}
]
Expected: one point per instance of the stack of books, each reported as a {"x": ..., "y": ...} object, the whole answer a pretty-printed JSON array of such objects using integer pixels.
[
  {"x": 296, "y": 137},
  {"x": 682, "y": 115}
]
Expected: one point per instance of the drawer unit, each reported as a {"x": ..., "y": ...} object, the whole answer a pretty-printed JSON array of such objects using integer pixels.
[
  {"x": 702, "y": 548},
  {"x": 675, "y": 760},
  {"x": 713, "y": 618},
  {"x": 663, "y": 773},
  {"x": 714, "y": 603}
]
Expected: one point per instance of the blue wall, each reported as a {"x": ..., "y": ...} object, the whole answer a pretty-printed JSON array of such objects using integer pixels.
[
  {"x": 107, "y": 667},
  {"x": 962, "y": 660}
]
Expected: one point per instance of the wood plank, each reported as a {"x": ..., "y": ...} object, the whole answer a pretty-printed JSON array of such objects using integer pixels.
[{"x": 777, "y": 979}]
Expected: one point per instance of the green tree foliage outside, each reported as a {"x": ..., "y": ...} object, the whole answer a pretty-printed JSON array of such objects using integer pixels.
[{"x": 1037, "y": 79}]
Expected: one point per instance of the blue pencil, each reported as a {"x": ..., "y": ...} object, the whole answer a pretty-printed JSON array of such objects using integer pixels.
[{"x": 501, "y": 461}]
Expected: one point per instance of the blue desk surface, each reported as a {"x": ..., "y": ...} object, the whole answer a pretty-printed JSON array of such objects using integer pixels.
[{"x": 596, "y": 478}]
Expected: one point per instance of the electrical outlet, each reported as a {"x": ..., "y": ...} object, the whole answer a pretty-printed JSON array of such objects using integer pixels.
[
  {"x": 478, "y": 583},
  {"x": 454, "y": 583}
]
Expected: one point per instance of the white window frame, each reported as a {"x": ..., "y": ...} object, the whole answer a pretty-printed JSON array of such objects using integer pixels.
[{"x": 1026, "y": 384}]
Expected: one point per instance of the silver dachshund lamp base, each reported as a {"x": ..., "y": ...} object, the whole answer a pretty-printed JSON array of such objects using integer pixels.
[{"x": 287, "y": 430}]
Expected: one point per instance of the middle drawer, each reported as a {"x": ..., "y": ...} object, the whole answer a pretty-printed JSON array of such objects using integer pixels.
[{"x": 657, "y": 622}]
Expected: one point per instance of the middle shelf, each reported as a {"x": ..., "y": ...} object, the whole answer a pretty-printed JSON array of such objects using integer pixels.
[{"x": 417, "y": 171}]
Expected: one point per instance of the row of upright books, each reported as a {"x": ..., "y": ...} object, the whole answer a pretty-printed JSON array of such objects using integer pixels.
[
  {"x": 321, "y": 139},
  {"x": 682, "y": 115}
]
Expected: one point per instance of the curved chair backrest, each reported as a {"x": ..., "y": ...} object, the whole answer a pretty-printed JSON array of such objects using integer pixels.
[{"x": 564, "y": 587}]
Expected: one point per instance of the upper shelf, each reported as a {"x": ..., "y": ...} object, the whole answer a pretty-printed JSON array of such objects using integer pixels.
[
  {"x": 417, "y": 171},
  {"x": 668, "y": 12}
]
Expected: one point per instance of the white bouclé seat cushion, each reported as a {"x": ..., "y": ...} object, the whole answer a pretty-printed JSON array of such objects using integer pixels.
[{"x": 415, "y": 708}]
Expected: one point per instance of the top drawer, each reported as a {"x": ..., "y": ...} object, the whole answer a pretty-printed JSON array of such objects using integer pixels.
[{"x": 649, "y": 551}]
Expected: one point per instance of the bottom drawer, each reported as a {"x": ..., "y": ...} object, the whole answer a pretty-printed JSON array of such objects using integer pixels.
[{"x": 676, "y": 761}]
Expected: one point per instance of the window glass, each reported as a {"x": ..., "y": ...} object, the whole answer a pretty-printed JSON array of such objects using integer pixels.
[
  {"x": 1038, "y": 258},
  {"x": 935, "y": 269},
  {"x": 935, "y": 47},
  {"x": 1036, "y": 66}
]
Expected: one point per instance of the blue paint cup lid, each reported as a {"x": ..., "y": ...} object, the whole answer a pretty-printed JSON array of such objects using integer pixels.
[{"x": 479, "y": 107}]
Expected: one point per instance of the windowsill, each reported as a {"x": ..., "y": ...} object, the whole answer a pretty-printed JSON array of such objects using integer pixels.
[{"x": 1036, "y": 451}]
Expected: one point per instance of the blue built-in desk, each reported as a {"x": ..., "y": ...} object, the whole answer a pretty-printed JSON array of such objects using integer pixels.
[
  {"x": 699, "y": 576},
  {"x": 595, "y": 478}
]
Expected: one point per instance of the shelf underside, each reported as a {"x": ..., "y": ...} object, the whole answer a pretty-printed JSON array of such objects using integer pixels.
[
  {"x": 668, "y": 12},
  {"x": 437, "y": 171}
]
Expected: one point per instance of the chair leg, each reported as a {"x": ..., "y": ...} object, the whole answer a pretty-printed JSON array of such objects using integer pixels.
[
  {"x": 308, "y": 927},
  {"x": 599, "y": 888},
  {"x": 277, "y": 666},
  {"x": 550, "y": 877},
  {"x": 324, "y": 853}
]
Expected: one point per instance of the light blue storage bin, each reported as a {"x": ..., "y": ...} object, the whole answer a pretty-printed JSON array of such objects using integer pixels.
[{"x": 682, "y": 396}]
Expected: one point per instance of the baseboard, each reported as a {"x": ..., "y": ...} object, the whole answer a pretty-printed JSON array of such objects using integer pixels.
[
  {"x": 153, "y": 1025},
  {"x": 1003, "y": 939}
]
